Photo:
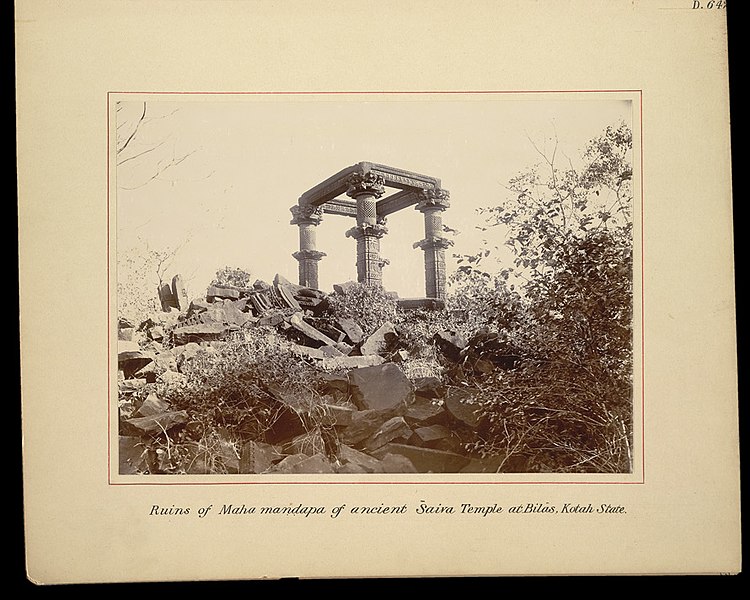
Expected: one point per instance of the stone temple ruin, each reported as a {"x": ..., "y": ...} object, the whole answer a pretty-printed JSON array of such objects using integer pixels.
[{"x": 365, "y": 184}]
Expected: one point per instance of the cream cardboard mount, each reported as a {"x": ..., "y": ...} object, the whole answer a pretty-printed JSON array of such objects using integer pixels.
[{"x": 331, "y": 80}]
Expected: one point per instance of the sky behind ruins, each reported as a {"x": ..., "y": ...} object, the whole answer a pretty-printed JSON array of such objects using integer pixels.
[{"x": 242, "y": 162}]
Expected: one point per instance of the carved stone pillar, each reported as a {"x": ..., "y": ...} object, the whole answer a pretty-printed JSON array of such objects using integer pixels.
[
  {"x": 366, "y": 189},
  {"x": 307, "y": 218},
  {"x": 434, "y": 244}
]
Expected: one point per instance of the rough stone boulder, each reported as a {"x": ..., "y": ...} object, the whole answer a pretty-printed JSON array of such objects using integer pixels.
[
  {"x": 460, "y": 403},
  {"x": 382, "y": 387},
  {"x": 381, "y": 341},
  {"x": 426, "y": 460}
]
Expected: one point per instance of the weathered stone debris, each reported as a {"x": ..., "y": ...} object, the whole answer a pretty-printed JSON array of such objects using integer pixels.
[{"x": 370, "y": 418}]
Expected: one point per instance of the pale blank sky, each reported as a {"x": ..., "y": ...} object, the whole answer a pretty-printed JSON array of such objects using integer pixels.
[{"x": 249, "y": 158}]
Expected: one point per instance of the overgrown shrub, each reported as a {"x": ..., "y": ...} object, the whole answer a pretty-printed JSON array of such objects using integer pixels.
[{"x": 368, "y": 305}]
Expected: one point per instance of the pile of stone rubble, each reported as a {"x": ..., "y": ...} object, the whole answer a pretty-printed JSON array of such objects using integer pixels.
[{"x": 370, "y": 417}]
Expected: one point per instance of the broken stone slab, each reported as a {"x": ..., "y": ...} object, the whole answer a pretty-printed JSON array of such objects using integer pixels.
[
  {"x": 287, "y": 297},
  {"x": 426, "y": 460},
  {"x": 380, "y": 341},
  {"x": 326, "y": 329},
  {"x": 166, "y": 298},
  {"x": 216, "y": 292},
  {"x": 271, "y": 319},
  {"x": 132, "y": 455},
  {"x": 429, "y": 387},
  {"x": 451, "y": 344},
  {"x": 152, "y": 405},
  {"x": 364, "y": 462},
  {"x": 428, "y": 436},
  {"x": 202, "y": 332},
  {"x": 351, "y": 362},
  {"x": 381, "y": 387},
  {"x": 397, "y": 463},
  {"x": 309, "y": 331},
  {"x": 180, "y": 294},
  {"x": 395, "y": 429},
  {"x": 197, "y": 307},
  {"x": 130, "y": 358},
  {"x": 364, "y": 423},
  {"x": 351, "y": 329},
  {"x": 153, "y": 424},
  {"x": 287, "y": 463},
  {"x": 257, "y": 457},
  {"x": 313, "y": 464},
  {"x": 316, "y": 353},
  {"x": 128, "y": 386},
  {"x": 459, "y": 402}
]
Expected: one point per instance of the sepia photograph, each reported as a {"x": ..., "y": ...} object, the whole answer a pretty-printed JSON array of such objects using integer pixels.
[{"x": 334, "y": 284}]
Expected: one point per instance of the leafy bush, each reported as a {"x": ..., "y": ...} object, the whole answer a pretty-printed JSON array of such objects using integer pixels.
[
  {"x": 368, "y": 305},
  {"x": 232, "y": 276},
  {"x": 568, "y": 405}
]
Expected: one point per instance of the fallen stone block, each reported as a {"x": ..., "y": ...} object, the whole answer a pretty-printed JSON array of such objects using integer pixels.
[
  {"x": 132, "y": 455},
  {"x": 351, "y": 362},
  {"x": 156, "y": 333},
  {"x": 216, "y": 292},
  {"x": 459, "y": 402},
  {"x": 425, "y": 436},
  {"x": 152, "y": 405},
  {"x": 381, "y": 341},
  {"x": 426, "y": 460},
  {"x": 381, "y": 387},
  {"x": 451, "y": 344},
  {"x": 429, "y": 387},
  {"x": 182, "y": 302},
  {"x": 397, "y": 463},
  {"x": 351, "y": 329},
  {"x": 309, "y": 331},
  {"x": 130, "y": 358},
  {"x": 285, "y": 293},
  {"x": 202, "y": 332},
  {"x": 314, "y": 464},
  {"x": 257, "y": 457},
  {"x": 394, "y": 429},
  {"x": 426, "y": 412},
  {"x": 364, "y": 462},
  {"x": 166, "y": 298},
  {"x": 153, "y": 424},
  {"x": 364, "y": 423},
  {"x": 128, "y": 386}
]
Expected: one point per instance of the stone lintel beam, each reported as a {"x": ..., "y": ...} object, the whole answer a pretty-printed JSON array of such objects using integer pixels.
[
  {"x": 397, "y": 202},
  {"x": 393, "y": 177},
  {"x": 341, "y": 207}
]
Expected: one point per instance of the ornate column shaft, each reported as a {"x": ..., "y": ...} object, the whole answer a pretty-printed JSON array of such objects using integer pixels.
[
  {"x": 366, "y": 189},
  {"x": 307, "y": 218},
  {"x": 434, "y": 244}
]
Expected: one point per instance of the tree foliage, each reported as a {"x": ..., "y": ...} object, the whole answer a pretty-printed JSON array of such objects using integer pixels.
[{"x": 568, "y": 406}]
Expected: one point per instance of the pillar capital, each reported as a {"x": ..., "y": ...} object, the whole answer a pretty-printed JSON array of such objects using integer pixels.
[
  {"x": 309, "y": 255},
  {"x": 367, "y": 230},
  {"x": 365, "y": 183},
  {"x": 306, "y": 214},
  {"x": 434, "y": 243},
  {"x": 434, "y": 199}
]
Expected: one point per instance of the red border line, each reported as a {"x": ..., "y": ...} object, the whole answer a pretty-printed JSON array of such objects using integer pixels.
[{"x": 324, "y": 93}]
